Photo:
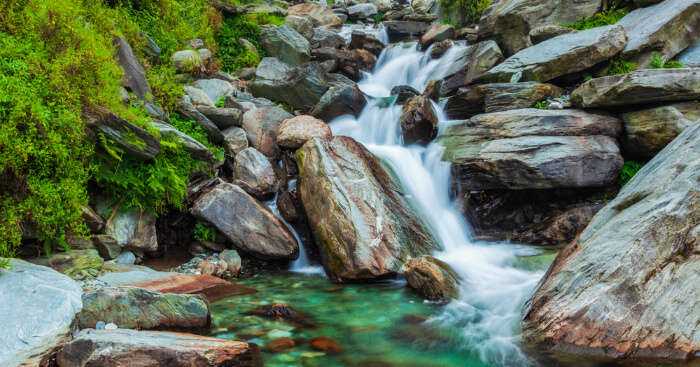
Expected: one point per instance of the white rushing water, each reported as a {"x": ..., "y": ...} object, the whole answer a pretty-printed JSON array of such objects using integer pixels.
[{"x": 492, "y": 291}]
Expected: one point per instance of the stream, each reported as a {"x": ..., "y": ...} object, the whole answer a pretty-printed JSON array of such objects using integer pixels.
[{"x": 386, "y": 324}]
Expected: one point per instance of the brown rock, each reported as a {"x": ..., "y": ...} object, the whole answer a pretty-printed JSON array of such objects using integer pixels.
[
  {"x": 93, "y": 220},
  {"x": 366, "y": 41},
  {"x": 435, "y": 33},
  {"x": 326, "y": 344},
  {"x": 253, "y": 172},
  {"x": 432, "y": 278},
  {"x": 261, "y": 126},
  {"x": 280, "y": 345},
  {"x": 281, "y": 311},
  {"x": 319, "y": 15},
  {"x": 475, "y": 99},
  {"x": 418, "y": 121},
  {"x": 294, "y": 132}
]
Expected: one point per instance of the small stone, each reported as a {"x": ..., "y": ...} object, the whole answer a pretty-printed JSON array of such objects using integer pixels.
[
  {"x": 326, "y": 344},
  {"x": 111, "y": 326},
  {"x": 280, "y": 345}
]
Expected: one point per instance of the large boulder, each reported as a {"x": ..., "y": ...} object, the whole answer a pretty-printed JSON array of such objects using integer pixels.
[
  {"x": 320, "y": 15},
  {"x": 352, "y": 62},
  {"x": 496, "y": 97},
  {"x": 400, "y": 30},
  {"x": 326, "y": 38},
  {"x": 639, "y": 87},
  {"x": 362, "y": 11},
  {"x": 36, "y": 312},
  {"x": 111, "y": 129},
  {"x": 235, "y": 140},
  {"x": 134, "y": 76},
  {"x": 474, "y": 62},
  {"x": 650, "y": 130},
  {"x": 364, "y": 226},
  {"x": 435, "y": 33},
  {"x": 666, "y": 28},
  {"x": 253, "y": 172},
  {"x": 247, "y": 223},
  {"x": 131, "y": 228},
  {"x": 300, "y": 87},
  {"x": 534, "y": 149},
  {"x": 189, "y": 144},
  {"x": 366, "y": 41},
  {"x": 627, "y": 290},
  {"x": 223, "y": 118},
  {"x": 562, "y": 55},
  {"x": 124, "y": 347},
  {"x": 294, "y": 132},
  {"x": 138, "y": 308},
  {"x": 285, "y": 44},
  {"x": 510, "y": 21},
  {"x": 343, "y": 99},
  {"x": 418, "y": 121},
  {"x": 431, "y": 278},
  {"x": 261, "y": 126},
  {"x": 303, "y": 25},
  {"x": 215, "y": 89}
]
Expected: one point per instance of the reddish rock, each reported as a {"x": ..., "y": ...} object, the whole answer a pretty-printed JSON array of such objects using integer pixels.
[
  {"x": 281, "y": 311},
  {"x": 280, "y": 345},
  {"x": 326, "y": 344}
]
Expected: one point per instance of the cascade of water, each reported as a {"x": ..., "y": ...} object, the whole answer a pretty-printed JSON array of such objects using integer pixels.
[{"x": 492, "y": 290}]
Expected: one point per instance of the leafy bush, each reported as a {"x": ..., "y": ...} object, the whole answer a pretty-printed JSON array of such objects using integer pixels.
[
  {"x": 204, "y": 233},
  {"x": 608, "y": 17},
  {"x": 462, "y": 12},
  {"x": 541, "y": 105},
  {"x": 629, "y": 169},
  {"x": 619, "y": 66},
  {"x": 657, "y": 62},
  {"x": 232, "y": 54}
]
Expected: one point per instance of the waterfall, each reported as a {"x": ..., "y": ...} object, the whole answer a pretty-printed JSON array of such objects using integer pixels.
[{"x": 492, "y": 291}]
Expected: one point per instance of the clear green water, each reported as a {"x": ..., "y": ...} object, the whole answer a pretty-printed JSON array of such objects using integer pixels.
[{"x": 377, "y": 324}]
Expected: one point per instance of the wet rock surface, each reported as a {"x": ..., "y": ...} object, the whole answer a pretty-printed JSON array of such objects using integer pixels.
[
  {"x": 294, "y": 132},
  {"x": 253, "y": 172},
  {"x": 418, "y": 121},
  {"x": 431, "y": 278},
  {"x": 496, "y": 97}
]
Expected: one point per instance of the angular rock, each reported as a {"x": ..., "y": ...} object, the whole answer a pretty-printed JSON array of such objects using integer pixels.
[
  {"x": 320, "y": 15},
  {"x": 138, "y": 308},
  {"x": 222, "y": 117},
  {"x": 691, "y": 56},
  {"x": 472, "y": 100},
  {"x": 159, "y": 281},
  {"x": 352, "y": 62},
  {"x": 131, "y": 139},
  {"x": 289, "y": 206},
  {"x": 340, "y": 100},
  {"x": 562, "y": 55},
  {"x": 532, "y": 148},
  {"x": 666, "y": 28},
  {"x": 93, "y": 220},
  {"x": 294, "y": 132},
  {"x": 510, "y": 21},
  {"x": 285, "y": 44},
  {"x": 282, "y": 312},
  {"x": 362, "y": 11},
  {"x": 215, "y": 89},
  {"x": 253, "y": 172},
  {"x": 326, "y": 38},
  {"x": 650, "y": 130},
  {"x": 133, "y": 228},
  {"x": 418, "y": 121},
  {"x": 134, "y": 76},
  {"x": 261, "y": 127},
  {"x": 476, "y": 60},
  {"x": 403, "y": 93},
  {"x": 439, "y": 48},
  {"x": 431, "y": 278},
  {"x": 639, "y": 87},
  {"x": 548, "y": 31},
  {"x": 435, "y": 33},
  {"x": 643, "y": 245},
  {"x": 106, "y": 246},
  {"x": 189, "y": 144},
  {"x": 303, "y": 25},
  {"x": 197, "y": 97},
  {"x": 561, "y": 228},
  {"x": 232, "y": 260},
  {"x": 235, "y": 140},
  {"x": 36, "y": 312},
  {"x": 280, "y": 344},
  {"x": 432, "y": 90},
  {"x": 362, "y": 40},
  {"x": 187, "y": 110},
  {"x": 401, "y": 30},
  {"x": 247, "y": 223},
  {"x": 352, "y": 246},
  {"x": 124, "y": 347}
]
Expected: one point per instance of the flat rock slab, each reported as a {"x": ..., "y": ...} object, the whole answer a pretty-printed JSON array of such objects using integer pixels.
[
  {"x": 496, "y": 97},
  {"x": 561, "y": 55},
  {"x": 124, "y": 347},
  {"x": 639, "y": 87},
  {"x": 38, "y": 306},
  {"x": 627, "y": 289},
  {"x": 159, "y": 281}
]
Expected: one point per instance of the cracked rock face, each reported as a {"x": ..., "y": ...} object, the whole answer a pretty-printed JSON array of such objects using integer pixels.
[{"x": 628, "y": 287}]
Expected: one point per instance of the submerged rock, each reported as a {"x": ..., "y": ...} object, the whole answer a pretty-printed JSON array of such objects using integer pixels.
[
  {"x": 472, "y": 100},
  {"x": 562, "y": 55},
  {"x": 639, "y": 87},
  {"x": 626, "y": 290},
  {"x": 326, "y": 344},
  {"x": 363, "y": 225},
  {"x": 253, "y": 172},
  {"x": 532, "y": 148},
  {"x": 418, "y": 121},
  {"x": 432, "y": 278},
  {"x": 36, "y": 311},
  {"x": 124, "y": 347},
  {"x": 138, "y": 308},
  {"x": 246, "y": 222},
  {"x": 284, "y": 312}
]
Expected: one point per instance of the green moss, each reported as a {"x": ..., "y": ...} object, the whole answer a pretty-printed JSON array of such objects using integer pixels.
[
  {"x": 232, "y": 54},
  {"x": 629, "y": 169},
  {"x": 462, "y": 12},
  {"x": 608, "y": 17},
  {"x": 657, "y": 62},
  {"x": 617, "y": 66}
]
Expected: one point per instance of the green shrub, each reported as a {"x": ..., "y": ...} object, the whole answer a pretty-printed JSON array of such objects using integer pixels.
[
  {"x": 629, "y": 169},
  {"x": 378, "y": 17},
  {"x": 462, "y": 12},
  {"x": 232, "y": 54},
  {"x": 203, "y": 232},
  {"x": 542, "y": 105},
  {"x": 608, "y": 17},
  {"x": 657, "y": 62},
  {"x": 619, "y": 66}
]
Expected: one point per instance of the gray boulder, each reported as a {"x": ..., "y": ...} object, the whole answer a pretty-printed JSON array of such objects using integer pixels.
[
  {"x": 125, "y": 347},
  {"x": 285, "y": 44},
  {"x": 666, "y": 28},
  {"x": 134, "y": 76},
  {"x": 476, "y": 60},
  {"x": 473, "y": 100},
  {"x": 562, "y": 55},
  {"x": 261, "y": 126},
  {"x": 247, "y": 223},
  {"x": 36, "y": 313},
  {"x": 131, "y": 228},
  {"x": 187, "y": 110},
  {"x": 138, "y": 308},
  {"x": 235, "y": 140},
  {"x": 401, "y": 30},
  {"x": 639, "y": 87},
  {"x": 222, "y": 117},
  {"x": 544, "y": 32},
  {"x": 326, "y": 38},
  {"x": 510, "y": 21},
  {"x": 362, "y": 11},
  {"x": 626, "y": 290},
  {"x": 691, "y": 56},
  {"x": 253, "y": 172},
  {"x": 131, "y": 139},
  {"x": 303, "y": 25},
  {"x": 649, "y": 130},
  {"x": 215, "y": 89},
  {"x": 192, "y": 146},
  {"x": 197, "y": 96},
  {"x": 345, "y": 192},
  {"x": 534, "y": 149},
  {"x": 340, "y": 100}
]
